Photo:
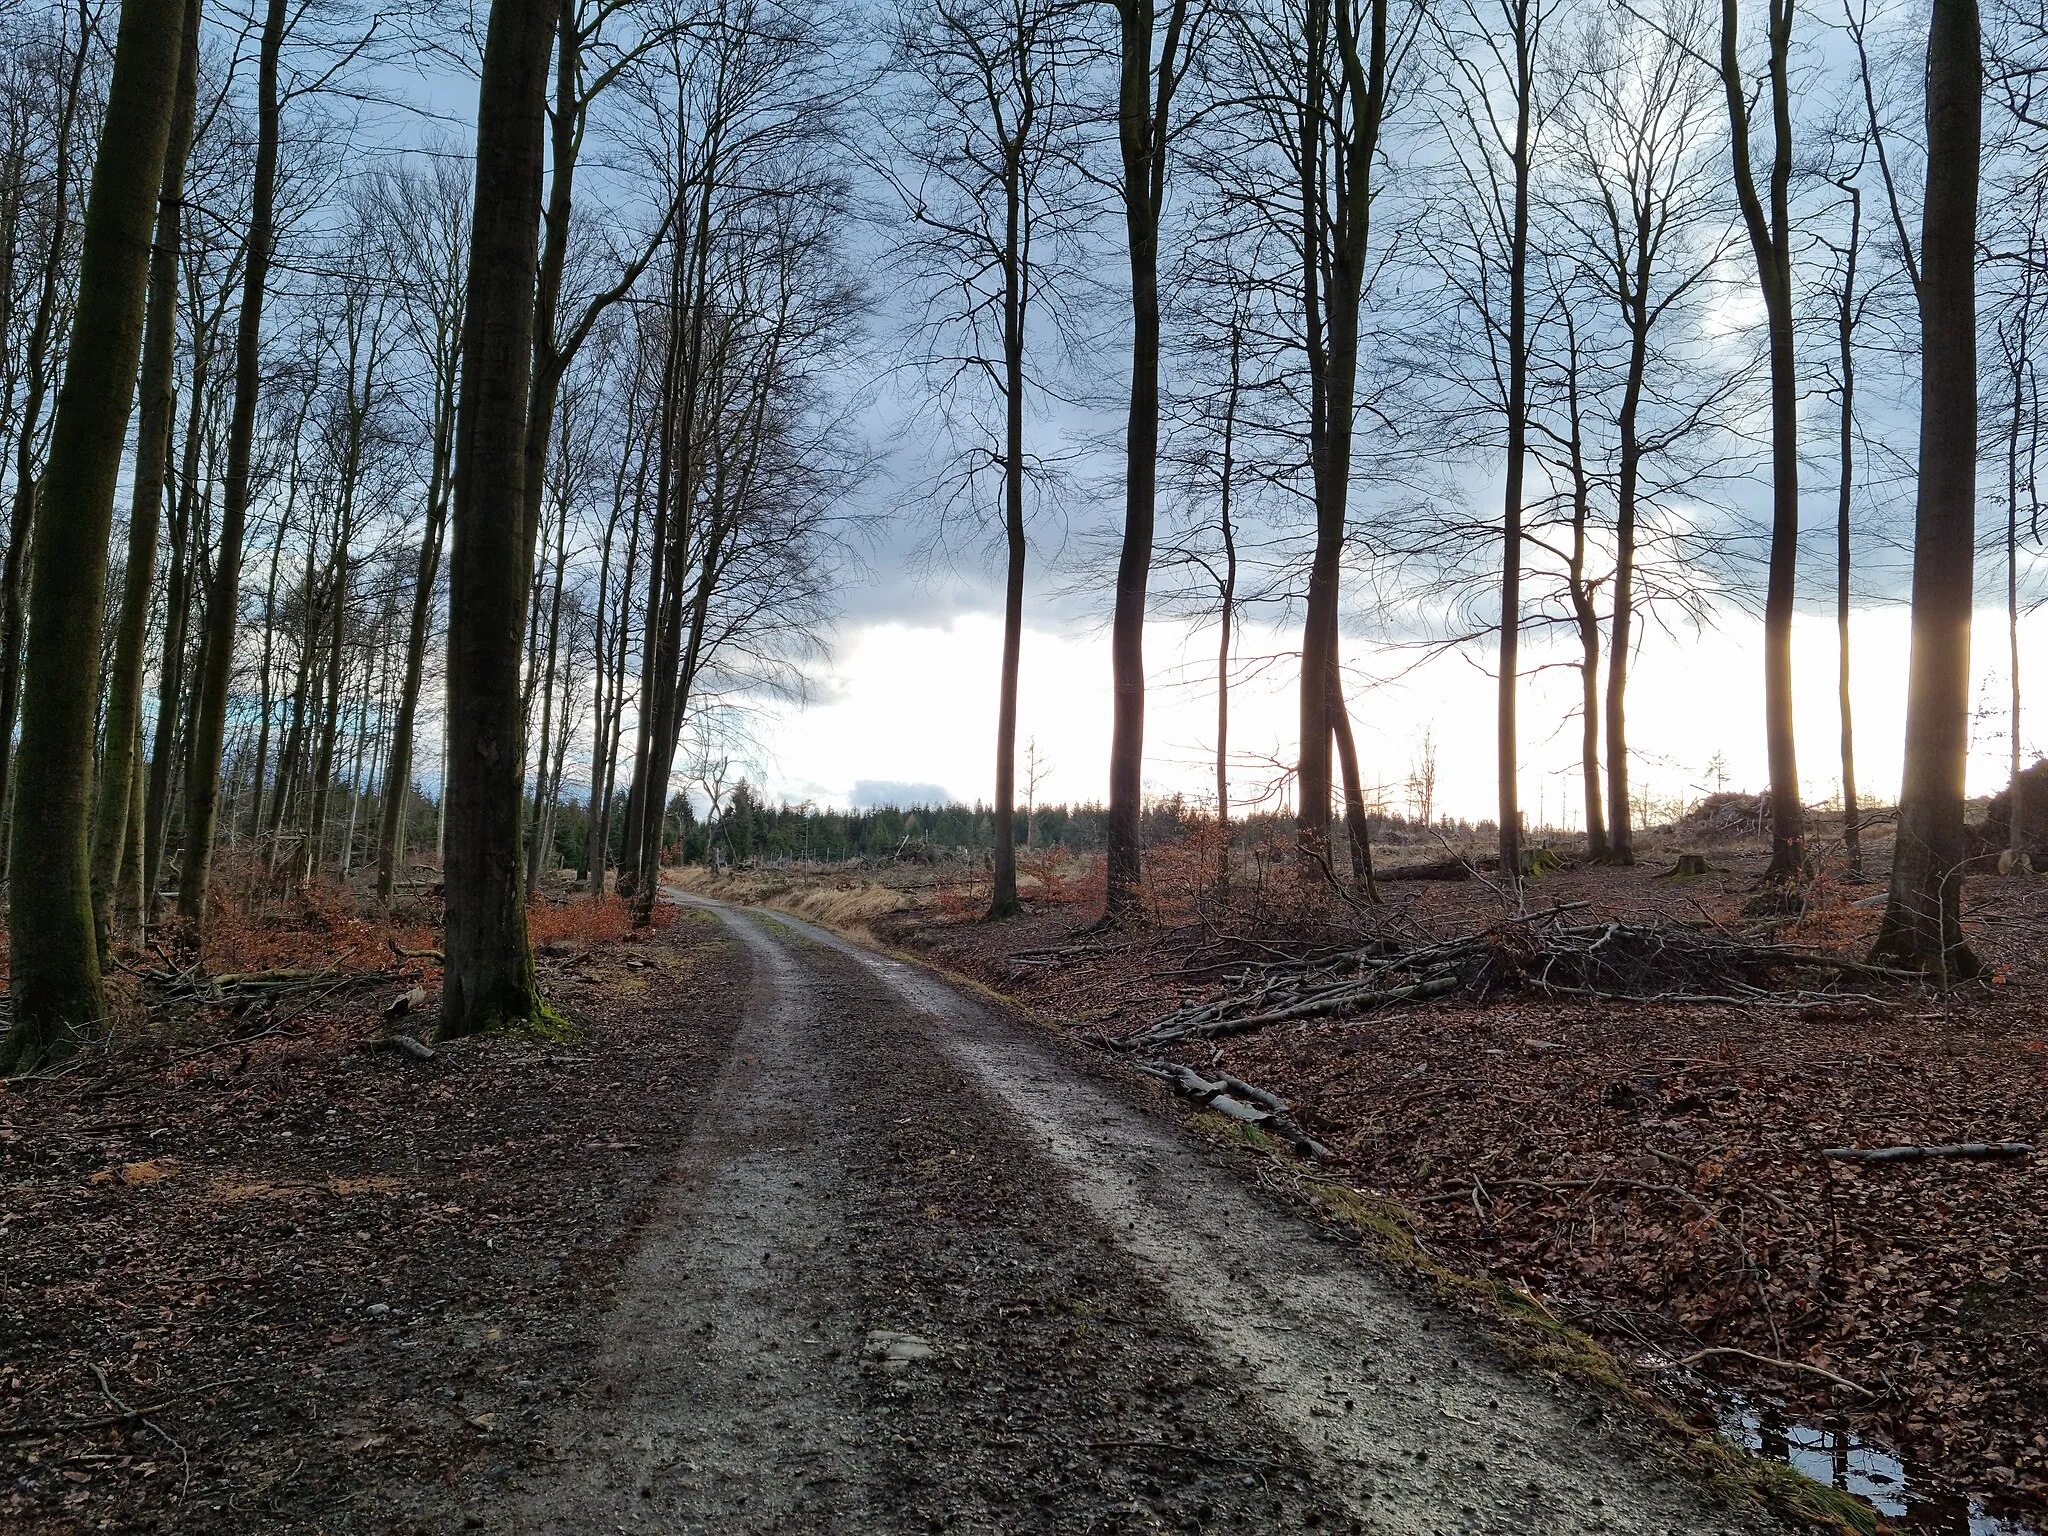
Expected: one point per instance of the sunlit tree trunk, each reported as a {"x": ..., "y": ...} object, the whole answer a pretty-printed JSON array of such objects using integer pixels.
[
  {"x": 1845, "y": 329},
  {"x": 1584, "y": 615},
  {"x": 1770, "y": 239},
  {"x": 1922, "y": 924}
]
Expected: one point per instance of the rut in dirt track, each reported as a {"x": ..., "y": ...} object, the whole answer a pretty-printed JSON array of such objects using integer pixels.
[{"x": 923, "y": 1267}]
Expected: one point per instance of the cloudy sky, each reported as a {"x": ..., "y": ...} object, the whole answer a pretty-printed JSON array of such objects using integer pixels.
[
  {"x": 907, "y": 704},
  {"x": 903, "y": 708}
]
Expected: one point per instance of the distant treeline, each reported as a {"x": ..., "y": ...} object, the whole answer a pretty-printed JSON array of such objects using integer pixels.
[{"x": 747, "y": 829}]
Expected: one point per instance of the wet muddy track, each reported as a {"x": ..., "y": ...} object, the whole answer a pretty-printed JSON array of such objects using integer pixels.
[{"x": 923, "y": 1267}]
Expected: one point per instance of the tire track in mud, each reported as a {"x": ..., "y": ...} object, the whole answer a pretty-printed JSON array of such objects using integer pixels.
[{"x": 923, "y": 1267}]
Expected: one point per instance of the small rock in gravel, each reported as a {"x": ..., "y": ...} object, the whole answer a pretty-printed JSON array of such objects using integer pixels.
[{"x": 893, "y": 1352}]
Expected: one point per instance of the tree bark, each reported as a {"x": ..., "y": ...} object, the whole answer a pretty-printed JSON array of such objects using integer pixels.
[
  {"x": 1845, "y": 325},
  {"x": 1770, "y": 240},
  {"x": 177, "y": 616},
  {"x": 1922, "y": 924},
  {"x": 1507, "y": 736},
  {"x": 1584, "y": 614},
  {"x": 41, "y": 340},
  {"x": 1143, "y": 113},
  {"x": 55, "y": 980},
  {"x": 1226, "y": 608},
  {"x": 537, "y": 831},
  {"x": 398, "y": 772},
  {"x": 1016, "y": 281},
  {"x": 118, "y": 763},
  {"x": 489, "y": 972},
  {"x": 1357, "y": 825},
  {"x": 202, "y": 785},
  {"x": 2015, "y": 836}
]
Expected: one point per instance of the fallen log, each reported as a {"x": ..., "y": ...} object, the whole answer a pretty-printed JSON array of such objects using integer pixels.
[
  {"x": 1239, "y": 1100},
  {"x": 1981, "y": 1151},
  {"x": 1361, "y": 998}
]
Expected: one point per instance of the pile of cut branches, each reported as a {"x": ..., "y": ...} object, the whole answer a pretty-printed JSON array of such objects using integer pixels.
[
  {"x": 190, "y": 984},
  {"x": 1546, "y": 954}
]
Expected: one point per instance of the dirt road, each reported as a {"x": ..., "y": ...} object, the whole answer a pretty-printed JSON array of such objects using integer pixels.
[{"x": 923, "y": 1267}]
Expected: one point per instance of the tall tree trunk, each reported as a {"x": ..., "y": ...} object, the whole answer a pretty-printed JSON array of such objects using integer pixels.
[
  {"x": 1226, "y": 608},
  {"x": 1922, "y": 924},
  {"x": 265, "y": 704},
  {"x": 659, "y": 584},
  {"x": 607, "y": 747},
  {"x": 489, "y": 973},
  {"x": 132, "y": 907},
  {"x": 1770, "y": 240},
  {"x": 1585, "y": 616},
  {"x": 118, "y": 764},
  {"x": 312, "y": 607},
  {"x": 2015, "y": 837},
  {"x": 322, "y": 781},
  {"x": 202, "y": 786},
  {"x": 536, "y": 850},
  {"x": 177, "y": 616},
  {"x": 1507, "y": 736},
  {"x": 591, "y": 866},
  {"x": 1144, "y": 107},
  {"x": 55, "y": 981},
  {"x": 1016, "y": 279},
  {"x": 398, "y": 773},
  {"x": 1620, "y": 826},
  {"x": 1845, "y": 322},
  {"x": 1357, "y": 825},
  {"x": 42, "y": 340}
]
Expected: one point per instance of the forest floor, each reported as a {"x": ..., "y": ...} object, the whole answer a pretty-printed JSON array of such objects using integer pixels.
[
  {"x": 793, "y": 1236},
  {"x": 1649, "y": 1170},
  {"x": 787, "y": 1236}
]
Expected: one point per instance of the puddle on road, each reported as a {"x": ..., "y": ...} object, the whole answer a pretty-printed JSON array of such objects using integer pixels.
[{"x": 1906, "y": 1496}]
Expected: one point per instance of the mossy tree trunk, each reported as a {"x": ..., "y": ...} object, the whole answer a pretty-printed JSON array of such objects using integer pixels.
[
  {"x": 120, "y": 763},
  {"x": 43, "y": 344},
  {"x": 57, "y": 993}
]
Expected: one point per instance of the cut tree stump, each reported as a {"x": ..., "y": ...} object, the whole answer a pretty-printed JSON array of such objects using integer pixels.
[{"x": 1688, "y": 866}]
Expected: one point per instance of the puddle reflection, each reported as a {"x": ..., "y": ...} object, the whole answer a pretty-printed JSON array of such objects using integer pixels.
[{"x": 1895, "y": 1488}]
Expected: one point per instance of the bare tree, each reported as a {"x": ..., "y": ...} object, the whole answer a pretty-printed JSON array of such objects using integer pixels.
[
  {"x": 1153, "y": 60},
  {"x": 426, "y": 219},
  {"x": 976, "y": 126},
  {"x": 1492, "y": 56},
  {"x": 1770, "y": 239}
]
